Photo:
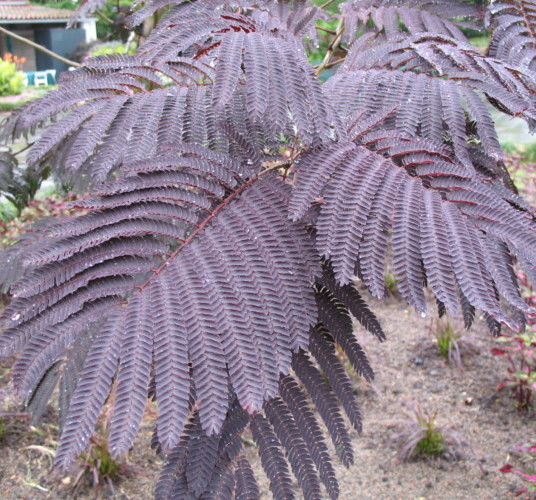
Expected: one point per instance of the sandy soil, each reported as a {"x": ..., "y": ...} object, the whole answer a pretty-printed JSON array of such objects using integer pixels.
[{"x": 465, "y": 398}]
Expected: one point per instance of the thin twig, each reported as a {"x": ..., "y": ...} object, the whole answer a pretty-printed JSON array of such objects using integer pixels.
[
  {"x": 331, "y": 32},
  {"x": 129, "y": 41},
  {"x": 334, "y": 63},
  {"x": 104, "y": 17},
  {"x": 23, "y": 149},
  {"x": 39, "y": 47},
  {"x": 327, "y": 4},
  {"x": 332, "y": 48}
]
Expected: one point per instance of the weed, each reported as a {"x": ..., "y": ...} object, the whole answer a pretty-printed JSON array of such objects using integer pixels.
[
  {"x": 528, "y": 472},
  {"x": 520, "y": 351},
  {"x": 451, "y": 344},
  {"x": 422, "y": 436},
  {"x": 390, "y": 283},
  {"x": 431, "y": 444},
  {"x": 446, "y": 337},
  {"x": 97, "y": 466}
]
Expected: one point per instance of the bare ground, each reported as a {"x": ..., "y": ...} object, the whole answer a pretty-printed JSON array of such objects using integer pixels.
[{"x": 466, "y": 398}]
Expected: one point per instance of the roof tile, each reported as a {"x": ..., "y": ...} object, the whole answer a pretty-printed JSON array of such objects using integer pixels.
[{"x": 21, "y": 11}]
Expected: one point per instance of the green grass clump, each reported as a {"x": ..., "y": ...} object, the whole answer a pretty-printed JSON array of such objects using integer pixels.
[
  {"x": 432, "y": 443},
  {"x": 446, "y": 337},
  {"x": 422, "y": 437}
]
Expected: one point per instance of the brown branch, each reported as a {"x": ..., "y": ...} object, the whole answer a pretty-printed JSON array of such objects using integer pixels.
[
  {"x": 104, "y": 17},
  {"x": 333, "y": 46},
  {"x": 326, "y": 4},
  {"x": 39, "y": 47},
  {"x": 331, "y": 32},
  {"x": 334, "y": 63}
]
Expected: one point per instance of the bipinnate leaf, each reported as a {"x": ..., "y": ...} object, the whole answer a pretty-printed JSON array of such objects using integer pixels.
[
  {"x": 239, "y": 207},
  {"x": 462, "y": 206}
]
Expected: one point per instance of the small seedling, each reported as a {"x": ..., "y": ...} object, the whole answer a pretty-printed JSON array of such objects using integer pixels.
[
  {"x": 447, "y": 338},
  {"x": 448, "y": 341},
  {"x": 422, "y": 437},
  {"x": 520, "y": 351},
  {"x": 451, "y": 343},
  {"x": 390, "y": 283},
  {"x": 98, "y": 465}
]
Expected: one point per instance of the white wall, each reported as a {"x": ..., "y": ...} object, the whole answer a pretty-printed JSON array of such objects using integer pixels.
[{"x": 90, "y": 25}]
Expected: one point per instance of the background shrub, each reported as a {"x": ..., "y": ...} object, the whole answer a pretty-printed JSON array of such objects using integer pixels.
[{"x": 11, "y": 78}]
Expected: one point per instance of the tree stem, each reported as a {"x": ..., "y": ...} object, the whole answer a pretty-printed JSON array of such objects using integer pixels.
[{"x": 39, "y": 47}]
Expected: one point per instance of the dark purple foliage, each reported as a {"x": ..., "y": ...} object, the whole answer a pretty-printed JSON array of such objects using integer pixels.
[{"x": 217, "y": 276}]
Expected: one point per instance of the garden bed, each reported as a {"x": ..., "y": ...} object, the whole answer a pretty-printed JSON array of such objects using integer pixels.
[{"x": 465, "y": 397}]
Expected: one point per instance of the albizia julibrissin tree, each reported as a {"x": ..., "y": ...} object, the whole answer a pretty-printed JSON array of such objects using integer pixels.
[{"x": 217, "y": 276}]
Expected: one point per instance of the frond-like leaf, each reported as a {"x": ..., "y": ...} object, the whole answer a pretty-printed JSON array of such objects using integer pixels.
[
  {"x": 457, "y": 206},
  {"x": 424, "y": 106},
  {"x": 513, "y": 26},
  {"x": 310, "y": 431},
  {"x": 509, "y": 87},
  {"x": 326, "y": 404},
  {"x": 297, "y": 451},
  {"x": 226, "y": 305},
  {"x": 91, "y": 392},
  {"x": 416, "y": 16},
  {"x": 272, "y": 457},
  {"x": 246, "y": 485},
  {"x": 322, "y": 348}
]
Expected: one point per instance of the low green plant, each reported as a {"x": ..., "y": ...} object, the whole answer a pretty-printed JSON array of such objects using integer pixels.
[
  {"x": 451, "y": 343},
  {"x": 11, "y": 80},
  {"x": 18, "y": 184},
  {"x": 446, "y": 337},
  {"x": 97, "y": 466},
  {"x": 422, "y": 436},
  {"x": 99, "y": 458},
  {"x": 390, "y": 283},
  {"x": 432, "y": 443}
]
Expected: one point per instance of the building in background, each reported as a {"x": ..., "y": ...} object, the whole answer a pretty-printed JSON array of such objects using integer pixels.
[{"x": 46, "y": 26}]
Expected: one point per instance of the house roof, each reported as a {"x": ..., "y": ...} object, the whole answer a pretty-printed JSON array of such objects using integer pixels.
[{"x": 22, "y": 11}]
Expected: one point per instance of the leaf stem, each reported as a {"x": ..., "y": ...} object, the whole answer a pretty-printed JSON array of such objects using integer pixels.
[{"x": 212, "y": 215}]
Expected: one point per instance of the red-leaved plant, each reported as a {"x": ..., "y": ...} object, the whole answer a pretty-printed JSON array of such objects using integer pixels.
[
  {"x": 520, "y": 350},
  {"x": 528, "y": 473}
]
